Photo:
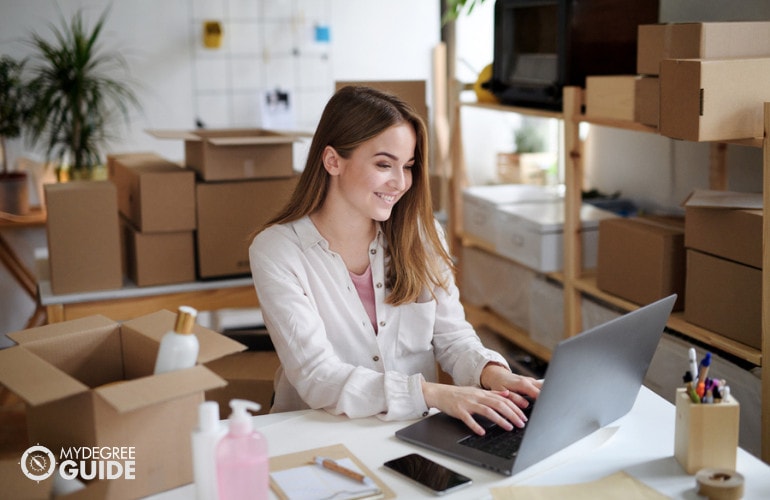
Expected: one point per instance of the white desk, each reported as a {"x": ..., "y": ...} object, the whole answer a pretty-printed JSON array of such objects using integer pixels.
[{"x": 640, "y": 443}]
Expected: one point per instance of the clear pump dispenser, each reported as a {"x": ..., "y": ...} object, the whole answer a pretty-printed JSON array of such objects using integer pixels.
[
  {"x": 179, "y": 347},
  {"x": 242, "y": 459}
]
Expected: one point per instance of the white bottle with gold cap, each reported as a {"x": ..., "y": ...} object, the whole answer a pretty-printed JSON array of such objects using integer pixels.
[{"x": 179, "y": 347}]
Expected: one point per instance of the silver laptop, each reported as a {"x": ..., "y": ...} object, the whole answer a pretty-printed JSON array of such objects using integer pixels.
[{"x": 592, "y": 380}]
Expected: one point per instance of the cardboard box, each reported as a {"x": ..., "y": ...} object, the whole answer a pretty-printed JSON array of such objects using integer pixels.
[
  {"x": 642, "y": 260},
  {"x": 480, "y": 205},
  {"x": 724, "y": 297},
  {"x": 532, "y": 234},
  {"x": 411, "y": 91},
  {"x": 711, "y": 40},
  {"x": 233, "y": 154},
  {"x": 159, "y": 258},
  {"x": 249, "y": 375},
  {"x": 89, "y": 383},
  {"x": 647, "y": 105},
  {"x": 713, "y": 100},
  {"x": 711, "y": 215},
  {"x": 229, "y": 213},
  {"x": 83, "y": 231},
  {"x": 219, "y": 155},
  {"x": 613, "y": 97},
  {"x": 706, "y": 435},
  {"x": 153, "y": 193}
]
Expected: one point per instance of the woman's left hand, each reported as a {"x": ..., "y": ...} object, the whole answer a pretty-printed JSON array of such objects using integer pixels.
[{"x": 498, "y": 378}]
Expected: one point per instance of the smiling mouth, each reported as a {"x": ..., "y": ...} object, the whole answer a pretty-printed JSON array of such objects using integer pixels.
[{"x": 389, "y": 198}]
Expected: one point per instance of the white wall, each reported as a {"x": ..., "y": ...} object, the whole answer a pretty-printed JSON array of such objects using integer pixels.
[{"x": 160, "y": 39}]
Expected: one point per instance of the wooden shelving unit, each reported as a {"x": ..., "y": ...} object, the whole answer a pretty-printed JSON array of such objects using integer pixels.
[{"x": 576, "y": 281}]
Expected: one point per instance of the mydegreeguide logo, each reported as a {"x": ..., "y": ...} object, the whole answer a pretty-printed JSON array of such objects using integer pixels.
[{"x": 39, "y": 463}]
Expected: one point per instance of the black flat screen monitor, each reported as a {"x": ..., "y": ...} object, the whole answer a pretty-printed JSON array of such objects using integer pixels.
[{"x": 540, "y": 46}]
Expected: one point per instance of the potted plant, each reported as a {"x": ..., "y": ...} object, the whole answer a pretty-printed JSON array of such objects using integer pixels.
[
  {"x": 77, "y": 91},
  {"x": 13, "y": 185},
  {"x": 526, "y": 164}
]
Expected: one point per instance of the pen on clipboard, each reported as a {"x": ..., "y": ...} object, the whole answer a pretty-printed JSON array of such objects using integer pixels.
[{"x": 330, "y": 464}]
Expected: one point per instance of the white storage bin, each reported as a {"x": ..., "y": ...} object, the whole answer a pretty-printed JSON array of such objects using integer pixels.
[
  {"x": 480, "y": 202},
  {"x": 532, "y": 233},
  {"x": 546, "y": 304},
  {"x": 546, "y": 312},
  {"x": 496, "y": 283}
]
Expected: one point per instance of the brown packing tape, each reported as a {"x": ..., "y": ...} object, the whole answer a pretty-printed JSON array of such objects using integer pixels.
[{"x": 719, "y": 484}]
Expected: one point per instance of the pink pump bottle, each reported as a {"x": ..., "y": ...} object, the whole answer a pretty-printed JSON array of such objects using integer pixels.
[{"x": 241, "y": 455}]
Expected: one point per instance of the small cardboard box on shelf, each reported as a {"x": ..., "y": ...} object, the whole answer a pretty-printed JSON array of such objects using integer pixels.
[
  {"x": 83, "y": 230},
  {"x": 642, "y": 259},
  {"x": 155, "y": 194},
  {"x": 232, "y": 154},
  {"x": 709, "y": 40},
  {"x": 228, "y": 213},
  {"x": 158, "y": 258},
  {"x": 725, "y": 297},
  {"x": 713, "y": 99},
  {"x": 614, "y": 97},
  {"x": 710, "y": 215}
]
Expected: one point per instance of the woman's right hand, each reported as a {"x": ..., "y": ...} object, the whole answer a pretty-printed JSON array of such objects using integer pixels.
[{"x": 463, "y": 402}]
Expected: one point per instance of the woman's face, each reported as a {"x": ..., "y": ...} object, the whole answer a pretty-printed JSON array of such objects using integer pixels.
[{"x": 378, "y": 172}]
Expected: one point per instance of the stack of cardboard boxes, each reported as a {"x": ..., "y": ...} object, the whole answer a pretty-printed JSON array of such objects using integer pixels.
[
  {"x": 712, "y": 258},
  {"x": 694, "y": 81},
  {"x": 156, "y": 201},
  {"x": 158, "y": 223}
]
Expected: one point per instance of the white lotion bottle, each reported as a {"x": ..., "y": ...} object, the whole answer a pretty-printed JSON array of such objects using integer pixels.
[
  {"x": 179, "y": 347},
  {"x": 242, "y": 459},
  {"x": 204, "y": 447}
]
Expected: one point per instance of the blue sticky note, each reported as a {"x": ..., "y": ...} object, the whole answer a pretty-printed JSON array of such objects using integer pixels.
[{"x": 322, "y": 33}]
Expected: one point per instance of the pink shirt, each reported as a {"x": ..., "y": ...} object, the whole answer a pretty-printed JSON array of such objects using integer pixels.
[{"x": 365, "y": 289}]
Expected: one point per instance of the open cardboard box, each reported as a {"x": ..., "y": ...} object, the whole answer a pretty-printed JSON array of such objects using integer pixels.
[
  {"x": 235, "y": 154},
  {"x": 89, "y": 383}
]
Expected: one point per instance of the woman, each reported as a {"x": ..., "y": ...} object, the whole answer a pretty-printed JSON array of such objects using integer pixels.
[{"x": 356, "y": 286}]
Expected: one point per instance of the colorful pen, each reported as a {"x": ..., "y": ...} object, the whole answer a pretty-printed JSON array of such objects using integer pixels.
[{"x": 704, "y": 368}]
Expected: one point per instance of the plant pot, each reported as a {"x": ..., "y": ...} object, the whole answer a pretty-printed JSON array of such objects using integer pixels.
[{"x": 14, "y": 193}]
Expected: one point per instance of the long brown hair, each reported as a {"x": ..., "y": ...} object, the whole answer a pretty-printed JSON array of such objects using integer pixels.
[{"x": 354, "y": 115}]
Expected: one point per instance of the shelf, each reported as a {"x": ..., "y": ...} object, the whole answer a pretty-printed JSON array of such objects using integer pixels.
[
  {"x": 543, "y": 113},
  {"x": 676, "y": 322},
  {"x": 479, "y": 317},
  {"x": 579, "y": 283},
  {"x": 756, "y": 142}
]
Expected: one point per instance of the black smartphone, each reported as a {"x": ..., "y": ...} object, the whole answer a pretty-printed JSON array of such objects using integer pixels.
[{"x": 435, "y": 477}]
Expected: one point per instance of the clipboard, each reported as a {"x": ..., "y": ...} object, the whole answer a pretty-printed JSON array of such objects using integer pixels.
[{"x": 337, "y": 452}]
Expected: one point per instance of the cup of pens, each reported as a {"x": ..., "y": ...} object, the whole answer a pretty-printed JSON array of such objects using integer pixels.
[{"x": 707, "y": 420}]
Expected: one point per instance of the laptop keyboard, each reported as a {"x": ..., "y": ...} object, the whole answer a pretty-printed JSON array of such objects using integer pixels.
[{"x": 497, "y": 441}]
